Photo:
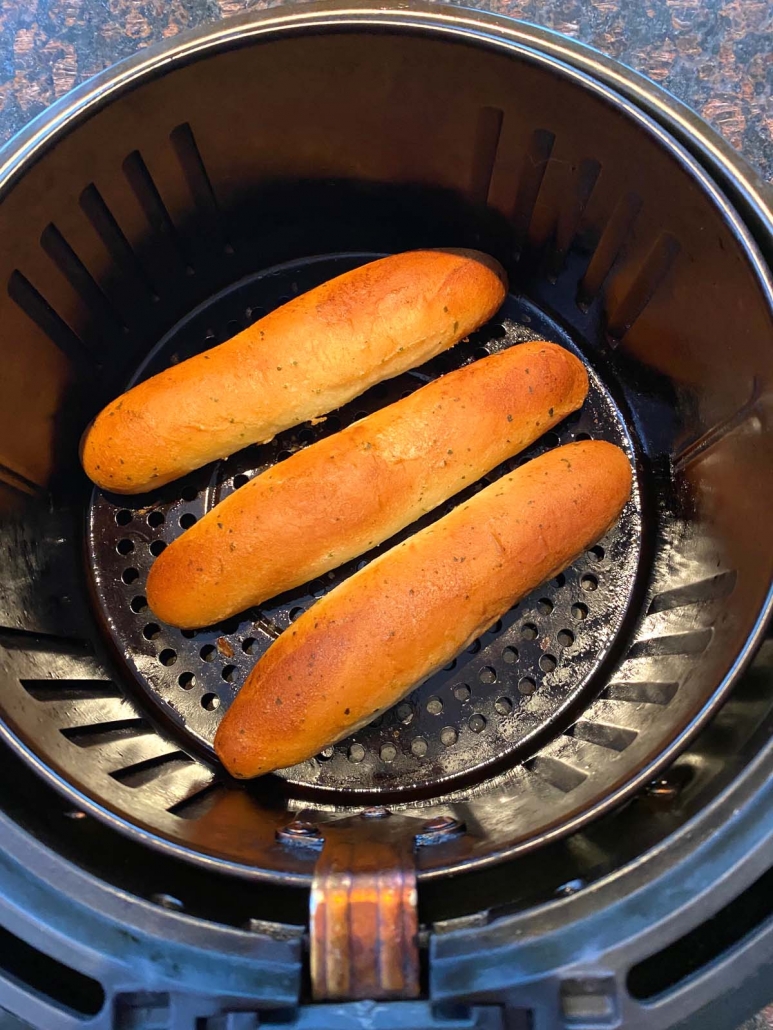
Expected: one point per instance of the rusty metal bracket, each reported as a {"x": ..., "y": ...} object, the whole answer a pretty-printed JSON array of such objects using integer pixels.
[{"x": 364, "y": 923}]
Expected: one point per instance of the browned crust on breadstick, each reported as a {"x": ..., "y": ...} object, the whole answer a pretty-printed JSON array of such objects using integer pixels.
[
  {"x": 306, "y": 358},
  {"x": 358, "y": 650},
  {"x": 335, "y": 499}
]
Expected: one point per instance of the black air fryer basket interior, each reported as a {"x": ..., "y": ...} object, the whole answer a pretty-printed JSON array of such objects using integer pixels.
[{"x": 176, "y": 211}]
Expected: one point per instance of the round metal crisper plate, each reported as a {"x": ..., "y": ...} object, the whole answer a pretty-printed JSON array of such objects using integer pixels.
[{"x": 479, "y": 712}]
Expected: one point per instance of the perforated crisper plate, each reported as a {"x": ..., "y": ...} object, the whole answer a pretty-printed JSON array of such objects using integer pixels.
[{"x": 482, "y": 710}]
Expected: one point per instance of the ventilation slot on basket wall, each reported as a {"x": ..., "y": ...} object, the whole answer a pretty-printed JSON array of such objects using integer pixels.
[
  {"x": 651, "y": 693},
  {"x": 142, "y": 773},
  {"x": 489, "y": 129},
  {"x": 199, "y": 184},
  {"x": 609, "y": 246},
  {"x": 118, "y": 247},
  {"x": 31, "y": 640},
  {"x": 71, "y": 690},
  {"x": 557, "y": 773},
  {"x": 198, "y": 801},
  {"x": 100, "y": 734},
  {"x": 716, "y": 588},
  {"x": 572, "y": 208},
  {"x": 690, "y": 643},
  {"x": 83, "y": 283},
  {"x": 146, "y": 192},
  {"x": 533, "y": 168},
  {"x": 35, "y": 306},
  {"x": 615, "y": 738},
  {"x": 652, "y": 273}
]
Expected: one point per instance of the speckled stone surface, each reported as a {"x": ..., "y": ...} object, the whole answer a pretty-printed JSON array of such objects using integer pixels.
[{"x": 716, "y": 55}]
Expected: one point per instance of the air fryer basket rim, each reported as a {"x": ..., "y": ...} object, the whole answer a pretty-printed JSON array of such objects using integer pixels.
[{"x": 31, "y": 143}]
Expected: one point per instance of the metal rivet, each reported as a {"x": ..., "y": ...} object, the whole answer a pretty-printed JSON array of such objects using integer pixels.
[
  {"x": 168, "y": 902},
  {"x": 299, "y": 831},
  {"x": 377, "y": 812},
  {"x": 569, "y": 888},
  {"x": 442, "y": 824},
  {"x": 662, "y": 788},
  {"x": 301, "y": 828},
  {"x": 439, "y": 829}
]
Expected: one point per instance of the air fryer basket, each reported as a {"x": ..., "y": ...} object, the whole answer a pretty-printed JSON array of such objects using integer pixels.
[{"x": 182, "y": 206}]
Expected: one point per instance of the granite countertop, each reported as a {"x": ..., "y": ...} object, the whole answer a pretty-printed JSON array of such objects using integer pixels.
[{"x": 715, "y": 55}]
